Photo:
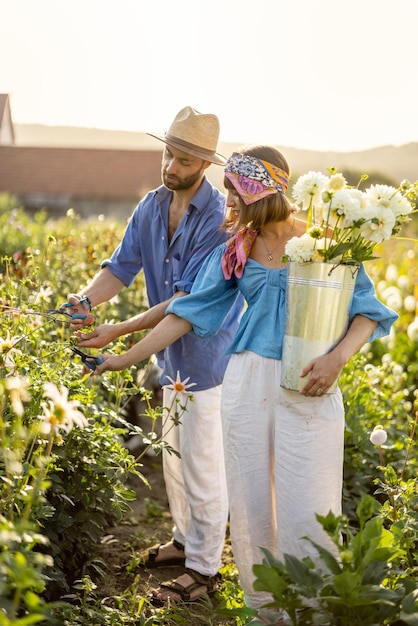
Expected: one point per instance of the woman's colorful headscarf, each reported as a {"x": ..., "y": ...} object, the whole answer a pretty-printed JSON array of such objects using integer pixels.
[{"x": 253, "y": 178}]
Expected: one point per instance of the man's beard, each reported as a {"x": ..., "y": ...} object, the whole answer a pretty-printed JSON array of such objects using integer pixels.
[{"x": 177, "y": 184}]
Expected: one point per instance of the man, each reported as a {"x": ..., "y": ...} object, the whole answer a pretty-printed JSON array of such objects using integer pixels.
[{"x": 171, "y": 232}]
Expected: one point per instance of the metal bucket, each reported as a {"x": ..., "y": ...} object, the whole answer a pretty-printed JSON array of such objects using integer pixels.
[{"x": 318, "y": 299}]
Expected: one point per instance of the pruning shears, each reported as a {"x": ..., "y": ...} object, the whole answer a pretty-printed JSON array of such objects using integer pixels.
[
  {"x": 66, "y": 305},
  {"x": 62, "y": 311},
  {"x": 51, "y": 313},
  {"x": 91, "y": 361}
]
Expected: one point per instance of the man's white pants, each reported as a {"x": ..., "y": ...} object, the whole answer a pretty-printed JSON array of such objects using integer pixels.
[
  {"x": 284, "y": 462},
  {"x": 196, "y": 483}
]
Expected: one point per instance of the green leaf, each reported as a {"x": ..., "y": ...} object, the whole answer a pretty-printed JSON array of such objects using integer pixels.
[
  {"x": 327, "y": 557},
  {"x": 269, "y": 579},
  {"x": 304, "y": 576}
]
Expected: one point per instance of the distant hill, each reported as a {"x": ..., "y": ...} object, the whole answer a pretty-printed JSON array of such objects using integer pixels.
[{"x": 392, "y": 162}]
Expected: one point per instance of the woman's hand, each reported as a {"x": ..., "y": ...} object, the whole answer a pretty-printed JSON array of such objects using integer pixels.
[
  {"x": 111, "y": 362},
  {"x": 324, "y": 371},
  {"x": 99, "y": 337}
]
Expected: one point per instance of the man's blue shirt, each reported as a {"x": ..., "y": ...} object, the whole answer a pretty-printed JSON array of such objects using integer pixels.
[{"x": 173, "y": 266}]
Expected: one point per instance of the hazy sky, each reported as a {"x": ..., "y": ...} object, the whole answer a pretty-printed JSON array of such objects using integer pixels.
[{"x": 314, "y": 74}]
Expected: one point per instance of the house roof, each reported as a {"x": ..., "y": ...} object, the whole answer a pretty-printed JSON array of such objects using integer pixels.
[
  {"x": 79, "y": 172},
  {"x": 53, "y": 176}
]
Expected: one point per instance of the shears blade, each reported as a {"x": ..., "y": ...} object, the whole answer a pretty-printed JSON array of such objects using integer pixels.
[{"x": 91, "y": 361}]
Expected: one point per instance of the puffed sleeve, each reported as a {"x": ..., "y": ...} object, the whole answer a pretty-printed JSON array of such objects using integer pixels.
[
  {"x": 365, "y": 302},
  {"x": 211, "y": 299}
]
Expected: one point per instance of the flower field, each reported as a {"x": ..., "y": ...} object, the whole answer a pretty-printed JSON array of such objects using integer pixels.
[{"x": 64, "y": 469}]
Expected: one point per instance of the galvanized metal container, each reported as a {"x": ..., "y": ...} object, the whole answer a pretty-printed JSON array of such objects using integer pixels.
[{"x": 318, "y": 300}]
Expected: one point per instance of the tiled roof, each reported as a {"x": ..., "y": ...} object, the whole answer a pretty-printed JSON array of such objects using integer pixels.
[{"x": 79, "y": 172}]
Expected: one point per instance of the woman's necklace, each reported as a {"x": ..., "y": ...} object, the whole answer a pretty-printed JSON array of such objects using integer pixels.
[{"x": 270, "y": 252}]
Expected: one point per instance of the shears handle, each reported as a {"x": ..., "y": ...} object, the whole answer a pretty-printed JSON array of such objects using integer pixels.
[
  {"x": 93, "y": 362},
  {"x": 76, "y": 316}
]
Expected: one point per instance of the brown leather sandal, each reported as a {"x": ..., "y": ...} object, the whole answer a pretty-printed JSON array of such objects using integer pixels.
[
  {"x": 151, "y": 556},
  {"x": 184, "y": 594}
]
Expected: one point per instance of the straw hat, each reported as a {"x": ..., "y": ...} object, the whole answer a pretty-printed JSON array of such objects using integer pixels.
[{"x": 195, "y": 133}]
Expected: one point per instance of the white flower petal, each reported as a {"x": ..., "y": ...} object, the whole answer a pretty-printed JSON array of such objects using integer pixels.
[{"x": 309, "y": 187}]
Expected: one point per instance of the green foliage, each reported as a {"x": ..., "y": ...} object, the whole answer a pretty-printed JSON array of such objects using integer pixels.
[
  {"x": 87, "y": 492},
  {"x": 362, "y": 585},
  {"x": 59, "y": 488}
]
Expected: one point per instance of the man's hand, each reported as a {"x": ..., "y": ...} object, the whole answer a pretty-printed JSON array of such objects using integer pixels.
[{"x": 79, "y": 306}]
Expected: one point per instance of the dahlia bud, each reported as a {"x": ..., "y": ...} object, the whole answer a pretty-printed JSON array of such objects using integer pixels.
[{"x": 378, "y": 436}]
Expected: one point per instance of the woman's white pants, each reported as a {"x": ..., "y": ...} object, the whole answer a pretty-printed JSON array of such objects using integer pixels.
[
  {"x": 284, "y": 463},
  {"x": 195, "y": 482}
]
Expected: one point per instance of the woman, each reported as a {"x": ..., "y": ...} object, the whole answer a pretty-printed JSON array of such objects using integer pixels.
[{"x": 283, "y": 449}]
